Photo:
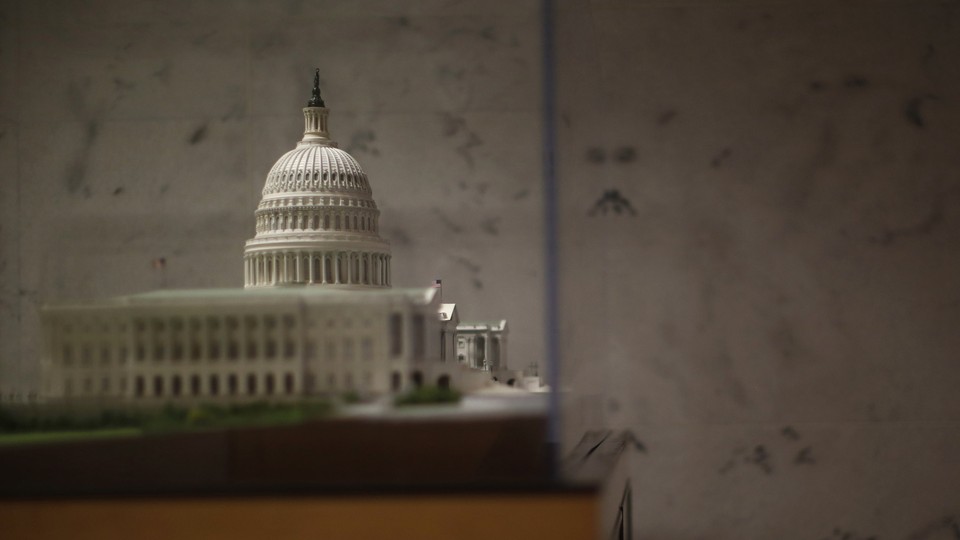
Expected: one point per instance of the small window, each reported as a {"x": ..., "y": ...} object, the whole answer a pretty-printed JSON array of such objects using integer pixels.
[
  {"x": 214, "y": 383},
  {"x": 289, "y": 321},
  {"x": 250, "y": 322},
  {"x": 195, "y": 385},
  {"x": 348, "y": 349},
  {"x": 288, "y": 383},
  {"x": 175, "y": 385},
  {"x": 139, "y": 387},
  {"x": 158, "y": 385},
  {"x": 366, "y": 349},
  {"x": 232, "y": 384},
  {"x": 396, "y": 334},
  {"x": 268, "y": 384},
  {"x": 251, "y": 384},
  {"x": 419, "y": 335},
  {"x": 252, "y": 350}
]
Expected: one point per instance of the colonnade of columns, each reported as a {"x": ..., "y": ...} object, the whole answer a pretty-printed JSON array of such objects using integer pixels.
[
  {"x": 281, "y": 221},
  {"x": 333, "y": 267}
]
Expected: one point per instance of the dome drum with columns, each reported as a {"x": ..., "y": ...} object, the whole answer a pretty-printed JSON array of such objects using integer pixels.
[{"x": 317, "y": 223}]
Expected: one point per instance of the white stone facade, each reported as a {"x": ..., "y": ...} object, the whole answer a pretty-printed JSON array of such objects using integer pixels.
[{"x": 209, "y": 345}]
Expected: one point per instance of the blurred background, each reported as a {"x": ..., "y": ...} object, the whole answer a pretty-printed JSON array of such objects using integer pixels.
[{"x": 758, "y": 213}]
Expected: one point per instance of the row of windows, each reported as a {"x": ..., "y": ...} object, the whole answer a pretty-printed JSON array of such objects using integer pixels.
[
  {"x": 284, "y": 221},
  {"x": 232, "y": 384},
  {"x": 86, "y": 352},
  {"x": 159, "y": 324},
  {"x": 176, "y": 385},
  {"x": 346, "y": 178},
  {"x": 167, "y": 340},
  {"x": 212, "y": 351}
]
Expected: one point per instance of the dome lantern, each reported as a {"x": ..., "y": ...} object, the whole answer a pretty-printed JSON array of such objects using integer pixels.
[{"x": 315, "y": 118}]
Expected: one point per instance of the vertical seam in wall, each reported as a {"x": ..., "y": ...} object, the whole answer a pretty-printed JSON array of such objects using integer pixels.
[
  {"x": 551, "y": 270},
  {"x": 18, "y": 385}
]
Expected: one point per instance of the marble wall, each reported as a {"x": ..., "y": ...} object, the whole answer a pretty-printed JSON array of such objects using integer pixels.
[
  {"x": 776, "y": 315},
  {"x": 758, "y": 213}
]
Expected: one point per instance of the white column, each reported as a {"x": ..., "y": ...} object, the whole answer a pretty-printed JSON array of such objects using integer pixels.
[{"x": 336, "y": 267}]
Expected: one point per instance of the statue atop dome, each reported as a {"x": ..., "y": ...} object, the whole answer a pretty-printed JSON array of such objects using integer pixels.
[{"x": 315, "y": 99}]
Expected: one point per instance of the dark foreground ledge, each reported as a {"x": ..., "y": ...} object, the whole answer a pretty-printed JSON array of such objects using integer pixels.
[
  {"x": 339, "y": 455},
  {"x": 419, "y": 478}
]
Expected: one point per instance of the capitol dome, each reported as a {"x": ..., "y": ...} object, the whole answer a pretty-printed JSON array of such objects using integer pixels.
[{"x": 317, "y": 223}]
